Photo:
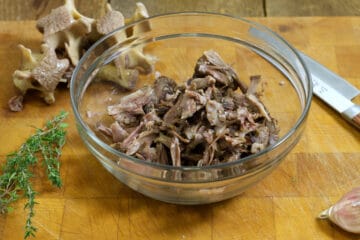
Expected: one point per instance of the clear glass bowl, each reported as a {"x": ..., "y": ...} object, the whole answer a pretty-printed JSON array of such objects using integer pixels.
[{"x": 177, "y": 41}]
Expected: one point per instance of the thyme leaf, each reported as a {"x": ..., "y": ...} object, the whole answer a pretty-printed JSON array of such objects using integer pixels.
[{"x": 44, "y": 145}]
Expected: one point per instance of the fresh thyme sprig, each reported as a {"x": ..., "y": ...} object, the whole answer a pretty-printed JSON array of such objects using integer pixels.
[{"x": 46, "y": 145}]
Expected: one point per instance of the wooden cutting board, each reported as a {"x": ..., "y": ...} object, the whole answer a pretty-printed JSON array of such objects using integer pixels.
[{"x": 94, "y": 205}]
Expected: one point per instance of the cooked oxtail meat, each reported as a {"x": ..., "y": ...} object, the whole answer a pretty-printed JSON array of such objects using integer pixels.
[{"x": 212, "y": 118}]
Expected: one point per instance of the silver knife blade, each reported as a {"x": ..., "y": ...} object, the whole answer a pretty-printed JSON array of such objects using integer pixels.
[
  {"x": 328, "y": 86},
  {"x": 329, "y": 95},
  {"x": 333, "y": 90},
  {"x": 322, "y": 73}
]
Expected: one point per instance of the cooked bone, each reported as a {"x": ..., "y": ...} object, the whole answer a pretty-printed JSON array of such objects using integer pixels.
[
  {"x": 68, "y": 33},
  {"x": 65, "y": 28},
  {"x": 41, "y": 72},
  {"x": 110, "y": 21},
  {"x": 139, "y": 14},
  {"x": 125, "y": 78}
]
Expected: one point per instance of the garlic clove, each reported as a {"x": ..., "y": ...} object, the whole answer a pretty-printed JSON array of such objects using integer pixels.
[{"x": 346, "y": 212}]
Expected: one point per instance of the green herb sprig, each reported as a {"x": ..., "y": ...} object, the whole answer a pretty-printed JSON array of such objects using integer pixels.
[{"x": 46, "y": 145}]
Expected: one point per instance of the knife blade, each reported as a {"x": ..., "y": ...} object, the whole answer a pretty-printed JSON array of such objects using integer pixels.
[
  {"x": 335, "y": 81},
  {"x": 328, "y": 86},
  {"x": 333, "y": 90}
]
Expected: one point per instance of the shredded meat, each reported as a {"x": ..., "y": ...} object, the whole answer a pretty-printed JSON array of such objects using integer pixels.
[
  {"x": 118, "y": 133},
  {"x": 16, "y": 103},
  {"x": 213, "y": 118}
]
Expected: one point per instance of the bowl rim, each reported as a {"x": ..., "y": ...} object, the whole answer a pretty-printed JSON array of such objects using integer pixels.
[{"x": 299, "y": 122}]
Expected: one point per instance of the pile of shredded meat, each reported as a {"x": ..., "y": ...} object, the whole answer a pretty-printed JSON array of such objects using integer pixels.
[{"x": 213, "y": 118}]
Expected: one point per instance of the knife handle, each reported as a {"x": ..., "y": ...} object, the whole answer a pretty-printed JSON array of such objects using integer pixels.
[{"x": 352, "y": 114}]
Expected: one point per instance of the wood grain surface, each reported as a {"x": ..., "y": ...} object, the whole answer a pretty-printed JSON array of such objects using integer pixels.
[
  {"x": 94, "y": 205},
  {"x": 33, "y": 9},
  {"x": 233, "y": 7},
  {"x": 312, "y": 8}
]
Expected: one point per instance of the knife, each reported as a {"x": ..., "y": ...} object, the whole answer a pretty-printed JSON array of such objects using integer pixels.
[
  {"x": 328, "y": 86},
  {"x": 333, "y": 90}
]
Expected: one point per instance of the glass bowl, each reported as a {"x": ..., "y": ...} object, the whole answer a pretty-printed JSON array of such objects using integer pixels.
[{"x": 176, "y": 41}]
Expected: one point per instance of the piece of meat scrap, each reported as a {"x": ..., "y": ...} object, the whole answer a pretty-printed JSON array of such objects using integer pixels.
[
  {"x": 133, "y": 103},
  {"x": 118, "y": 133},
  {"x": 212, "y": 64},
  {"x": 191, "y": 103},
  {"x": 175, "y": 152},
  {"x": 16, "y": 103},
  {"x": 163, "y": 87}
]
